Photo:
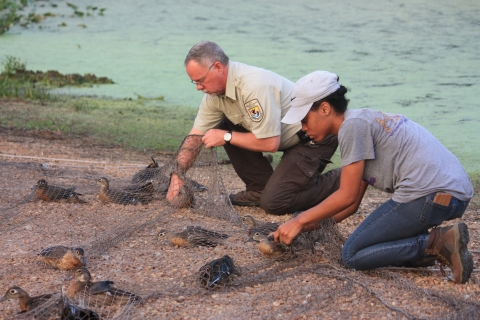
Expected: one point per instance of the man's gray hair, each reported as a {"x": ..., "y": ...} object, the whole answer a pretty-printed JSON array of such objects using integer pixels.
[{"x": 205, "y": 53}]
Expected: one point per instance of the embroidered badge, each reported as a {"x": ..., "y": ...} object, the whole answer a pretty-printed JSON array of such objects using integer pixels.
[{"x": 254, "y": 110}]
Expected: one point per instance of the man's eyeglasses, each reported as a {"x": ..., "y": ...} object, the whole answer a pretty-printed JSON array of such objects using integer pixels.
[{"x": 200, "y": 82}]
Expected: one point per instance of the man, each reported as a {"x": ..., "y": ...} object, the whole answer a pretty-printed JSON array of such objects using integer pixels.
[{"x": 242, "y": 111}]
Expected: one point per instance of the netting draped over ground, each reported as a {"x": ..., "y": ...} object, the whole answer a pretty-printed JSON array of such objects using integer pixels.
[{"x": 199, "y": 258}]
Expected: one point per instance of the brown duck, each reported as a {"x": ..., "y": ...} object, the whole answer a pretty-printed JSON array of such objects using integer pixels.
[
  {"x": 257, "y": 226},
  {"x": 137, "y": 195},
  {"x": 152, "y": 171},
  {"x": 47, "y": 192},
  {"x": 270, "y": 248},
  {"x": 193, "y": 236},
  {"x": 26, "y": 302},
  {"x": 63, "y": 258},
  {"x": 100, "y": 292},
  {"x": 58, "y": 307}
]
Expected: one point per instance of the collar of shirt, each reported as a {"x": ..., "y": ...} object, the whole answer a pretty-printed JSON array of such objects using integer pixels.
[{"x": 230, "y": 91}]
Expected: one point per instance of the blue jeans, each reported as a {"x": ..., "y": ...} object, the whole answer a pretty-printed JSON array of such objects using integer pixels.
[{"x": 397, "y": 232}]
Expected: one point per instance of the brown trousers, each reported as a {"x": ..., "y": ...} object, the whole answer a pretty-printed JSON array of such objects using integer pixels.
[{"x": 297, "y": 182}]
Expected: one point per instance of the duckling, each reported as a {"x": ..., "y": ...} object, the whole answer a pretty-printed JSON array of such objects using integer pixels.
[
  {"x": 98, "y": 292},
  {"x": 63, "y": 258},
  {"x": 270, "y": 248},
  {"x": 107, "y": 195},
  {"x": 47, "y": 192},
  {"x": 26, "y": 302},
  {"x": 149, "y": 173},
  {"x": 147, "y": 188},
  {"x": 193, "y": 236},
  {"x": 256, "y": 226},
  {"x": 217, "y": 272}
]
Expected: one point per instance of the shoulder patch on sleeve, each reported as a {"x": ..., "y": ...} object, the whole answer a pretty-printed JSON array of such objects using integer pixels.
[{"x": 254, "y": 110}]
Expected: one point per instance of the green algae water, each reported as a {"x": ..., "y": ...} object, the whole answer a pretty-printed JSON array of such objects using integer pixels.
[{"x": 419, "y": 58}]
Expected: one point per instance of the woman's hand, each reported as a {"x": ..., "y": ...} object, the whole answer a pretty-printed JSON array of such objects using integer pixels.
[{"x": 288, "y": 231}]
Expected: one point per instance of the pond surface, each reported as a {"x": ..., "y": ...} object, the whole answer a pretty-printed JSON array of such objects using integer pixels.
[{"x": 419, "y": 58}]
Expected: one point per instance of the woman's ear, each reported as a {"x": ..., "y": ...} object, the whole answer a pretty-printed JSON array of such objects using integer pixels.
[{"x": 325, "y": 108}]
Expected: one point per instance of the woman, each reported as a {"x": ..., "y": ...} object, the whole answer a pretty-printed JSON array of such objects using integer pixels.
[{"x": 395, "y": 155}]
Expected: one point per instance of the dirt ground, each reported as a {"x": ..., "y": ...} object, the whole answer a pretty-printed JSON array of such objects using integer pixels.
[{"x": 312, "y": 286}]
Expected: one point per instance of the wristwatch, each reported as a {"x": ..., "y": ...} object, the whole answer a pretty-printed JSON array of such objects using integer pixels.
[{"x": 227, "y": 137}]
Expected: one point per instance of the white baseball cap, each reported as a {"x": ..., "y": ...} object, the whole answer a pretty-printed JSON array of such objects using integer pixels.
[{"x": 307, "y": 90}]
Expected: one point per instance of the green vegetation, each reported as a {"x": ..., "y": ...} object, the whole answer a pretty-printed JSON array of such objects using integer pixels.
[
  {"x": 120, "y": 122},
  {"x": 12, "y": 12},
  {"x": 12, "y": 86},
  {"x": 17, "y": 82},
  {"x": 9, "y": 13},
  {"x": 144, "y": 123}
]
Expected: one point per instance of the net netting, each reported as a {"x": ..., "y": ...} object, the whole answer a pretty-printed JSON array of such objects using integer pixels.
[{"x": 105, "y": 243}]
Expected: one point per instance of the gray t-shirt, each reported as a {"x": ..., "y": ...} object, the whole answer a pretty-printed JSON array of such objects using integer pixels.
[{"x": 401, "y": 157}]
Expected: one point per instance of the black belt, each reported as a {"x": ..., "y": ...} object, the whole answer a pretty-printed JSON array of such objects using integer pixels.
[{"x": 303, "y": 137}]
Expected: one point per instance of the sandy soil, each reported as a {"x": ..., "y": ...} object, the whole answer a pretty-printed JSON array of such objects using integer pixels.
[{"x": 312, "y": 286}]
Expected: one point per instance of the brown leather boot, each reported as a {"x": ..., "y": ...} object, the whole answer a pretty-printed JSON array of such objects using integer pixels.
[
  {"x": 246, "y": 198},
  {"x": 449, "y": 244}
]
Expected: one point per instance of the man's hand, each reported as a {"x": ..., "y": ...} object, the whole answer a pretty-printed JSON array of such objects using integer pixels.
[
  {"x": 288, "y": 231},
  {"x": 214, "y": 138},
  {"x": 175, "y": 185}
]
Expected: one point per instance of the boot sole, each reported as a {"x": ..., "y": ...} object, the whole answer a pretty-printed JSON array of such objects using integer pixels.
[
  {"x": 465, "y": 256},
  {"x": 245, "y": 204}
]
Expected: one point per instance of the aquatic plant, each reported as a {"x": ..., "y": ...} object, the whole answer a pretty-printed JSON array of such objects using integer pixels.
[
  {"x": 14, "y": 69},
  {"x": 11, "y": 65},
  {"x": 12, "y": 86},
  {"x": 9, "y": 14},
  {"x": 22, "y": 90}
]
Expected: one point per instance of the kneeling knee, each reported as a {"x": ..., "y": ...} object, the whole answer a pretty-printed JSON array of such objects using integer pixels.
[
  {"x": 346, "y": 258},
  {"x": 273, "y": 207}
]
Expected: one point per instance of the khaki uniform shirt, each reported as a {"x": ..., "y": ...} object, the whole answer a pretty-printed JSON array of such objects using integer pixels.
[{"x": 254, "y": 98}]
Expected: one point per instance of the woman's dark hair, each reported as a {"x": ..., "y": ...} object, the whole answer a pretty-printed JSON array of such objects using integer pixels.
[{"x": 337, "y": 100}]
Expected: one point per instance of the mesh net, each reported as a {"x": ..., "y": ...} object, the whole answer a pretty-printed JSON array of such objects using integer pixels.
[{"x": 148, "y": 259}]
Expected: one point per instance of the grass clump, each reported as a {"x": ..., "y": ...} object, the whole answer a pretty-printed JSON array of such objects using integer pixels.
[
  {"x": 132, "y": 124},
  {"x": 12, "y": 86}
]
